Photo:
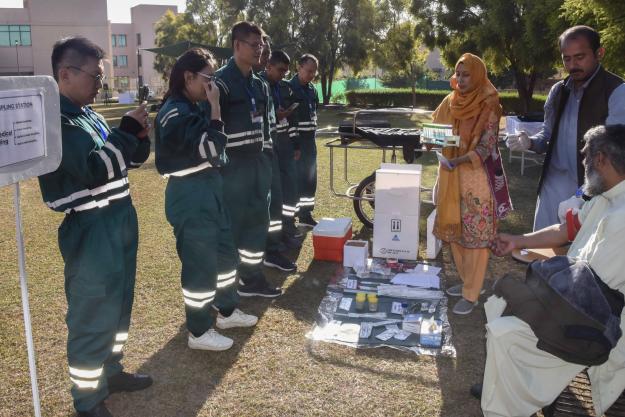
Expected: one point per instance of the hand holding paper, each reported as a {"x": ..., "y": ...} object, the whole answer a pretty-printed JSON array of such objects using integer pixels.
[{"x": 444, "y": 161}]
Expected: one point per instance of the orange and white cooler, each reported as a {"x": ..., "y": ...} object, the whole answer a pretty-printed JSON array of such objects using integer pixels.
[{"x": 329, "y": 237}]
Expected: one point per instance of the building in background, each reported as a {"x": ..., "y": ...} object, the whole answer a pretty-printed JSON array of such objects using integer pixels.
[{"x": 27, "y": 35}]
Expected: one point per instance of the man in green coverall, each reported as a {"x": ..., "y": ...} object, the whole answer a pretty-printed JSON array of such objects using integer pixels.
[
  {"x": 98, "y": 237},
  {"x": 276, "y": 232},
  {"x": 244, "y": 101}
]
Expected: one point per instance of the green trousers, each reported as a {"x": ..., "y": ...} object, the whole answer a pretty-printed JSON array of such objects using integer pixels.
[
  {"x": 288, "y": 178},
  {"x": 307, "y": 174},
  {"x": 247, "y": 183},
  {"x": 194, "y": 207},
  {"x": 99, "y": 247},
  {"x": 274, "y": 232}
]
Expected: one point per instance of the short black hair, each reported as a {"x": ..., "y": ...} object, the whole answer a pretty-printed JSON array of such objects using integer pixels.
[
  {"x": 610, "y": 141},
  {"x": 581, "y": 31},
  {"x": 279, "y": 57},
  {"x": 307, "y": 58},
  {"x": 74, "y": 51},
  {"x": 241, "y": 30}
]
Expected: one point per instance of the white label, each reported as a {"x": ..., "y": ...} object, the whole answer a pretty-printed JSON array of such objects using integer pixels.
[
  {"x": 345, "y": 303},
  {"x": 352, "y": 284},
  {"x": 22, "y": 121},
  {"x": 365, "y": 329},
  {"x": 386, "y": 334},
  {"x": 396, "y": 308},
  {"x": 402, "y": 335}
]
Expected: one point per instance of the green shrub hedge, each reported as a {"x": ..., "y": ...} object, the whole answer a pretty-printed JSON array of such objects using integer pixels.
[{"x": 428, "y": 99}]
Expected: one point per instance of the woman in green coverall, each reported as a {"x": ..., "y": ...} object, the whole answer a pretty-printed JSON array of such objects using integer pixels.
[{"x": 189, "y": 150}]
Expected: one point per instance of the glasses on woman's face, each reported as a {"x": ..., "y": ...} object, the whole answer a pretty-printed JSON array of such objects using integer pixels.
[
  {"x": 209, "y": 77},
  {"x": 98, "y": 78}
]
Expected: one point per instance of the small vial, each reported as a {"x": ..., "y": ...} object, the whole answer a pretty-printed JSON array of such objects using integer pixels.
[
  {"x": 361, "y": 297},
  {"x": 373, "y": 302}
]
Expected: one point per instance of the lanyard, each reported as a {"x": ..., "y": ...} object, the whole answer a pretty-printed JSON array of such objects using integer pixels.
[
  {"x": 101, "y": 127},
  {"x": 250, "y": 95}
]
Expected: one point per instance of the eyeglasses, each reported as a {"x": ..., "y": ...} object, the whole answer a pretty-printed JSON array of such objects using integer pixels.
[
  {"x": 97, "y": 78},
  {"x": 253, "y": 45},
  {"x": 210, "y": 78}
]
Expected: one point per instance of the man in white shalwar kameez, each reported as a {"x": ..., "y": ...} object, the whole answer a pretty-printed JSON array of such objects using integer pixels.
[{"x": 520, "y": 379}]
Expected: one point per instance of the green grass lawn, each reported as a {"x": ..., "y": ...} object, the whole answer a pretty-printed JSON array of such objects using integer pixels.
[{"x": 272, "y": 369}]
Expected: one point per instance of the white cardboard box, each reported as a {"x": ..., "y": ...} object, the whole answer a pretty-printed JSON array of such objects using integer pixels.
[
  {"x": 355, "y": 253},
  {"x": 395, "y": 236},
  {"x": 434, "y": 244},
  {"x": 397, "y": 189}
]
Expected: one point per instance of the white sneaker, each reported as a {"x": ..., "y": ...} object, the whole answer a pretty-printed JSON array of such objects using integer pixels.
[
  {"x": 210, "y": 340},
  {"x": 236, "y": 319}
]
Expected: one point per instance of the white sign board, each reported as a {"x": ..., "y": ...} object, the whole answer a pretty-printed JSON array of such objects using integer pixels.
[
  {"x": 30, "y": 128},
  {"x": 22, "y": 126}
]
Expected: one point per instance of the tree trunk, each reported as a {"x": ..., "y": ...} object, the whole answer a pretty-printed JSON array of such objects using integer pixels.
[
  {"x": 326, "y": 100},
  {"x": 525, "y": 87},
  {"x": 414, "y": 95},
  {"x": 324, "y": 83}
]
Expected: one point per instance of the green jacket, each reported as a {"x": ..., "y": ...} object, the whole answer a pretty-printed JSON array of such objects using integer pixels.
[
  {"x": 187, "y": 140},
  {"x": 282, "y": 96},
  {"x": 245, "y": 111},
  {"x": 94, "y": 166},
  {"x": 306, "y": 96}
]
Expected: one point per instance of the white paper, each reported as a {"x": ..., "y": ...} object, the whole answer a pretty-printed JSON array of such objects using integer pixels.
[
  {"x": 22, "y": 126},
  {"x": 352, "y": 284},
  {"x": 443, "y": 160},
  {"x": 345, "y": 303},
  {"x": 402, "y": 335},
  {"x": 386, "y": 334},
  {"x": 417, "y": 280},
  {"x": 426, "y": 269}
]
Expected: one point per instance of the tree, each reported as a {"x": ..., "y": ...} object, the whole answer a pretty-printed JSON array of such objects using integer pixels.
[
  {"x": 173, "y": 28},
  {"x": 515, "y": 35},
  {"x": 401, "y": 55},
  {"x": 608, "y": 17}
]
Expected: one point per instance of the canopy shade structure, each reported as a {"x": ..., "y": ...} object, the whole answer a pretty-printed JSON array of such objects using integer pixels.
[{"x": 179, "y": 48}]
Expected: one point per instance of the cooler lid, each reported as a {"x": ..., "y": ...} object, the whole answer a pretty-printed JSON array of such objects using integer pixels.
[
  {"x": 329, "y": 227},
  {"x": 400, "y": 168}
]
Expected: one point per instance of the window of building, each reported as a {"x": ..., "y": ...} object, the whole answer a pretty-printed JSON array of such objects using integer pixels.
[
  {"x": 121, "y": 41},
  {"x": 10, "y": 34},
  {"x": 120, "y": 60},
  {"x": 113, "y": 40},
  {"x": 122, "y": 83},
  {"x": 138, "y": 39}
]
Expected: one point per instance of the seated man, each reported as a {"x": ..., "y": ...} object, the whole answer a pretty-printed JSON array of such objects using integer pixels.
[{"x": 520, "y": 379}]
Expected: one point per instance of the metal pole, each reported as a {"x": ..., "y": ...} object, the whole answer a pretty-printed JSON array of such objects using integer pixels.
[
  {"x": 25, "y": 306},
  {"x": 17, "y": 57},
  {"x": 138, "y": 68}
]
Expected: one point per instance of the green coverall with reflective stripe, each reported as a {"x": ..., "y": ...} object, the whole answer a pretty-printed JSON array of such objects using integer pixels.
[
  {"x": 306, "y": 96},
  {"x": 98, "y": 242},
  {"x": 247, "y": 176},
  {"x": 189, "y": 148}
]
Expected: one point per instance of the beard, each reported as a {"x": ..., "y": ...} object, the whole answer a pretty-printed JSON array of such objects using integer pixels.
[{"x": 593, "y": 182}]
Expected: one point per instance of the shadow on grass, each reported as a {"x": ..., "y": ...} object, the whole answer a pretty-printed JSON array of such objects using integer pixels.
[{"x": 184, "y": 379}]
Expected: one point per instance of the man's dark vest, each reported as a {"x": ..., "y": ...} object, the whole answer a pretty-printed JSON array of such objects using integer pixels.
[{"x": 593, "y": 110}]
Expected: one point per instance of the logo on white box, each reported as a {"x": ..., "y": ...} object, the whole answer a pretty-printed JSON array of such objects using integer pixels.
[{"x": 395, "y": 225}]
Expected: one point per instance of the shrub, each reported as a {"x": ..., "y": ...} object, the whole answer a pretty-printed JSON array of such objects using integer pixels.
[{"x": 429, "y": 99}]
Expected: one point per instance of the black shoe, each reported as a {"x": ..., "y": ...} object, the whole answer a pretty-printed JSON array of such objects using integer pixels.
[
  {"x": 124, "y": 381},
  {"x": 307, "y": 221},
  {"x": 259, "y": 288},
  {"x": 99, "y": 410},
  {"x": 278, "y": 261},
  {"x": 476, "y": 391},
  {"x": 291, "y": 230},
  {"x": 292, "y": 242}
]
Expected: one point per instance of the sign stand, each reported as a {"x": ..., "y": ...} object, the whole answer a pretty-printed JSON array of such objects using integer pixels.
[
  {"x": 30, "y": 146},
  {"x": 25, "y": 305}
]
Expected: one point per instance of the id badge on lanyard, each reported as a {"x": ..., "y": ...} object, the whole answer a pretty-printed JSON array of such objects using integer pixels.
[
  {"x": 255, "y": 115},
  {"x": 103, "y": 131}
]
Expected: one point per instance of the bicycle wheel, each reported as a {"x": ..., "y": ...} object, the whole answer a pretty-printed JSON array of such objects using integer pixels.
[{"x": 365, "y": 205}]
